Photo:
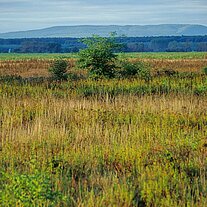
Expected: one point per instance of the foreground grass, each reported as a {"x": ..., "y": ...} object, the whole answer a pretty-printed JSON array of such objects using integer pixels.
[{"x": 104, "y": 143}]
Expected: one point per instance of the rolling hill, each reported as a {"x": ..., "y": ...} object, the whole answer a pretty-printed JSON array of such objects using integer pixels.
[{"x": 127, "y": 30}]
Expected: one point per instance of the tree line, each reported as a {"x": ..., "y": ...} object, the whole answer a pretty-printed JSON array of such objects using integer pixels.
[{"x": 129, "y": 44}]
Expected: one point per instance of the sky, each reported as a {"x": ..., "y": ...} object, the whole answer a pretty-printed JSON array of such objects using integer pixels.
[{"x": 19, "y": 15}]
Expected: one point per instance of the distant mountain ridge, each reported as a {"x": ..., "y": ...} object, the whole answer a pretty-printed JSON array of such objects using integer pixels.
[{"x": 104, "y": 30}]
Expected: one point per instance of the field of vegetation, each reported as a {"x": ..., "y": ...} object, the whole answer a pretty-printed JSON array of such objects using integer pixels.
[
  {"x": 106, "y": 142},
  {"x": 143, "y": 55},
  {"x": 36, "y": 65}
]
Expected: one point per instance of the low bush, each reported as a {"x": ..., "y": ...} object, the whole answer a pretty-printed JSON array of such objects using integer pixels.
[
  {"x": 59, "y": 70},
  {"x": 10, "y": 78},
  {"x": 27, "y": 190},
  {"x": 166, "y": 72},
  {"x": 205, "y": 70},
  {"x": 137, "y": 69}
]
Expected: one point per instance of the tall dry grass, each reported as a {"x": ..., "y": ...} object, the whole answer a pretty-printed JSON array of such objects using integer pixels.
[
  {"x": 39, "y": 67},
  {"x": 106, "y": 143}
]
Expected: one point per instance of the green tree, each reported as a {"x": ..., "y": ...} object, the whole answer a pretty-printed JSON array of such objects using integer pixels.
[{"x": 99, "y": 57}]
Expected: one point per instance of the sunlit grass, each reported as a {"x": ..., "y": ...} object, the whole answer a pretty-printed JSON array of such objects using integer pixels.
[
  {"x": 104, "y": 143},
  {"x": 119, "y": 142}
]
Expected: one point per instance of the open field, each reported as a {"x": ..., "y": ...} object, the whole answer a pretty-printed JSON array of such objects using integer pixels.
[
  {"x": 145, "y": 55},
  {"x": 27, "y": 65},
  {"x": 126, "y": 142},
  {"x": 29, "y": 56}
]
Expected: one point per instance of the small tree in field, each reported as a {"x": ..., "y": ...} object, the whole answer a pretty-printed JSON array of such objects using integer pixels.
[{"x": 99, "y": 57}]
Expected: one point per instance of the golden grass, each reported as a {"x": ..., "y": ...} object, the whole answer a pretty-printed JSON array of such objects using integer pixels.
[
  {"x": 103, "y": 143},
  {"x": 180, "y": 65},
  {"x": 127, "y": 151},
  {"x": 27, "y": 68},
  {"x": 39, "y": 67}
]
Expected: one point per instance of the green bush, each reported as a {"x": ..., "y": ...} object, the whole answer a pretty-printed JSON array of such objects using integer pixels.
[
  {"x": 200, "y": 90},
  {"x": 11, "y": 78},
  {"x": 167, "y": 72},
  {"x": 99, "y": 57},
  {"x": 59, "y": 70},
  {"x": 27, "y": 190},
  {"x": 205, "y": 70},
  {"x": 137, "y": 69}
]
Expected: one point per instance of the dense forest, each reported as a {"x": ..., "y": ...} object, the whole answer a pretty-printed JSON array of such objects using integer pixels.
[{"x": 129, "y": 44}]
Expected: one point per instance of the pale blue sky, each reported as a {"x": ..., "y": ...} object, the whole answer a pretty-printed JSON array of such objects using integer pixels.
[{"x": 33, "y": 14}]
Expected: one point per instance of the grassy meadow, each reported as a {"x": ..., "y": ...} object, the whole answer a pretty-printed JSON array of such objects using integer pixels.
[
  {"x": 143, "y": 55},
  {"x": 119, "y": 142},
  {"x": 36, "y": 65}
]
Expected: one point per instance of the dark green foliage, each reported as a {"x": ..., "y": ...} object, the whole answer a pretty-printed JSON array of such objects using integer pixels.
[
  {"x": 10, "y": 78},
  {"x": 59, "y": 70},
  {"x": 137, "y": 69},
  {"x": 99, "y": 57},
  {"x": 205, "y": 70},
  {"x": 73, "y": 76},
  {"x": 131, "y": 44},
  {"x": 167, "y": 72}
]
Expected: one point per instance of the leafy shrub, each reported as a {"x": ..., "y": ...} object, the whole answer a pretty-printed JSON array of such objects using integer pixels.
[
  {"x": 27, "y": 190},
  {"x": 137, "y": 69},
  {"x": 200, "y": 90},
  {"x": 99, "y": 57},
  {"x": 59, "y": 70},
  {"x": 205, "y": 70}
]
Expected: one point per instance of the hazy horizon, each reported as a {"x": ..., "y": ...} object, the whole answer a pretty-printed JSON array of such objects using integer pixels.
[
  {"x": 22, "y": 15},
  {"x": 34, "y": 29}
]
